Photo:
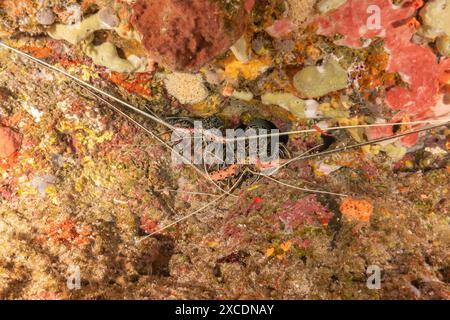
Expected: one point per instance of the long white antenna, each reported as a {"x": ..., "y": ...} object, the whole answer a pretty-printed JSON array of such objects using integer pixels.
[
  {"x": 88, "y": 85},
  {"x": 93, "y": 90}
]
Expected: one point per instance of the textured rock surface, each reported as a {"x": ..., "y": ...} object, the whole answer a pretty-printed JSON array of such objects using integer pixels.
[
  {"x": 87, "y": 185},
  {"x": 185, "y": 35}
]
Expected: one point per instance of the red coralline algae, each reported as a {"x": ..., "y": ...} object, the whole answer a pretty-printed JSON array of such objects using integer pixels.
[
  {"x": 138, "y": 85},
  {"x": 281, "y": 28},
  {"x": 185, "y": 35},
  {"x": 351, "y": 20},
  {"x": 10, "y": 142},
  {"x": 147, "y": 224},
  {"x": 67, "y": 232},
  {"x": 249, "y": 4},
  {"x": 416, "y": 64},
  {"x": 255, "y": 205},
  {"x": 307, "y": 211},
  {"x": 418, "y": 67}
]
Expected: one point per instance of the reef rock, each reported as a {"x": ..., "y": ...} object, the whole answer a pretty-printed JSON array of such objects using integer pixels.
[{"x": 185, "y": 35}]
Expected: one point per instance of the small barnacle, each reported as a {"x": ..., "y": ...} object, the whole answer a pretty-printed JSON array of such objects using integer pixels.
[
  {"x": 443, "y": 45},
  {"x": 240, "y": 50}
]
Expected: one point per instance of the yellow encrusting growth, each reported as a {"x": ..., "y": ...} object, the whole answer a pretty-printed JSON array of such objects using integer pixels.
[{"x": 250, "y": 70}]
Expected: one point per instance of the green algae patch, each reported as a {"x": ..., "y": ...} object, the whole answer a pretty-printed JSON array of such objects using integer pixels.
[
  {"x": 395, "y": 152},
  {"x": 314, "y": 81},
  {"x": 287, "y": 101},
  {"x": 79, "y": 32},
  {"x": 106, "y": 55}
]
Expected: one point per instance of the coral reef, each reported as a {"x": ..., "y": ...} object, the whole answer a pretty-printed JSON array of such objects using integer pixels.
[{"x": 88, "y": 188}]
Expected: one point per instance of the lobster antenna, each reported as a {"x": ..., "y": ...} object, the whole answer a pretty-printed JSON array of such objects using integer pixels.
[{"x": 88, "y": 85}]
